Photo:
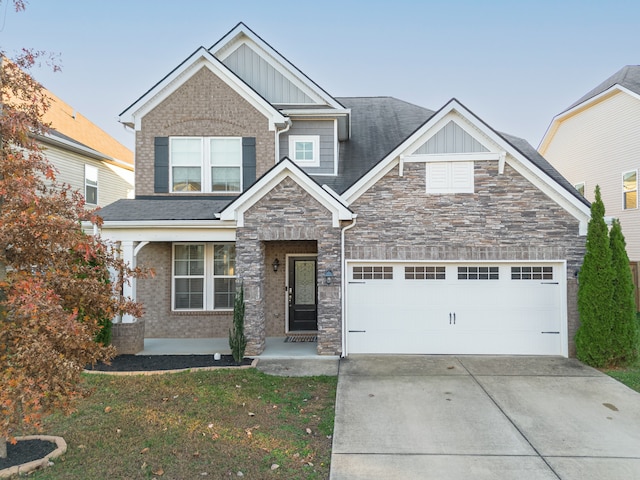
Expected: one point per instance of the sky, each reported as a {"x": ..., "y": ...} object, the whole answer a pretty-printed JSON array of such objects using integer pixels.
[{"x": 515, "y": 64}]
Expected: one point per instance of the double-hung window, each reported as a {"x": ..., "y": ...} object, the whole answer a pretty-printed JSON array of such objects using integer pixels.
[
  {"x": 206, "y": 164},
  {"x": 91, "y": 184},
  {"x": 630, "y": 190},
  {"x": 204, "y": 276}
]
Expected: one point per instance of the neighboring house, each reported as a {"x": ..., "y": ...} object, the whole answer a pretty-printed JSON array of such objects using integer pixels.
[
  {"x": 378, "y": 225},
  {"x": 86, "y": 157},
  {"x": 596, "y": 142}
]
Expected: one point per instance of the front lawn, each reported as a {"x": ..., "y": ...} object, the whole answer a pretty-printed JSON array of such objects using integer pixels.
[
  {"x": 210, "y": 424},
  {"x": 630, "y": 375}
]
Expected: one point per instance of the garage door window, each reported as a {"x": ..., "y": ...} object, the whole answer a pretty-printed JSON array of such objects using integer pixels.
[
  {"x": 424, "y": 273},
  {"x": 531, "y": 273},
  {"x": 373, "y": 273},
  {"x": 478, "y": 273}
]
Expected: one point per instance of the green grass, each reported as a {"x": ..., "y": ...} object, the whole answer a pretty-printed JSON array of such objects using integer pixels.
[
  {"x": 629, "y": 375},
  {"x": 181, "y": 426}
]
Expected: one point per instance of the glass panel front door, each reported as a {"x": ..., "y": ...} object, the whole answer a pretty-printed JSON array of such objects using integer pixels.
[{"x": 303, "y": 294}]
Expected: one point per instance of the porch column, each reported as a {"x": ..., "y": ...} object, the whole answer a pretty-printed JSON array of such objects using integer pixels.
[{"x": 127, "y": 251}]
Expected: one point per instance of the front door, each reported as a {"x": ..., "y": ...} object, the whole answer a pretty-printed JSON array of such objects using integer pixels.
[{"x": 303, "y": 294}]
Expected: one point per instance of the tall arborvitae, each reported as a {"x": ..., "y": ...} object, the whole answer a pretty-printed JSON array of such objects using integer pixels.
[
  {"x": 595, "y": 292},
  {"x": 624, "y": 334}
]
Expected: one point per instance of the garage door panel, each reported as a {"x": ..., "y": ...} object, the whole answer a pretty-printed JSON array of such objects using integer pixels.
[{"x": 463, "y": 313}]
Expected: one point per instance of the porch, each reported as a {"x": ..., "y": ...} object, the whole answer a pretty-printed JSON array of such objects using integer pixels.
[{"x": 275, "y": 347}]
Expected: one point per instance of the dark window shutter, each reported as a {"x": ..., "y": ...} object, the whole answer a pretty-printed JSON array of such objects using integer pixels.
[
  {"x": 161, "y": 165},
  {"x": 248, "y": 161}
]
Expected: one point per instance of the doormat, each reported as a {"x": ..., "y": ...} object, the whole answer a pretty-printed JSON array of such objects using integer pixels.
[{"x": 301, "y": 338}]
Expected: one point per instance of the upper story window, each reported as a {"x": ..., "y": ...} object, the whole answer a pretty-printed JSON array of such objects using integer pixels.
[
  {"x": 630, "y": 190},
  {"x": 91, "y": 184},
  {"x": 450, "y": 177},
  {"x": 206, "y": 164},
  {"x": 305, "y": 150},
  {"x": 580, "y": 188}
]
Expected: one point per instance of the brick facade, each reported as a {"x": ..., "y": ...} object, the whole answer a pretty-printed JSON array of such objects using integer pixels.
[
  {"x": 155, "y": 294},
  {"x": 507, "y": 218},
  {"x": 203, "y": 106},
  {"x": 287, "y": 214}
]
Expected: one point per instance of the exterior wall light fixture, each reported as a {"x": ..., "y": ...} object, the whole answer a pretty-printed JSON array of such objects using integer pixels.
[
  {"x": 328, "y": 277},
  {"x": 275, "y": 265}
]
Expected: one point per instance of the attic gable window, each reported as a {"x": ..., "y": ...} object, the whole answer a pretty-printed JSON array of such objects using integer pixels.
[
  {"x": 305, "y": 150},
  {"x": 205, "y": 164}
]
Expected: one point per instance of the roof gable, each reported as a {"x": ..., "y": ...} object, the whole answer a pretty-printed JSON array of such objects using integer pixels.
[
  {"x": 451, "y": 138},
  {"x": 286, "y": 169},
  {"x": 492, "y": 146},
  {"x": 201, "y": 58},
  {"x": 625, "y": 81},
  {"x": 267, "y": 71}
]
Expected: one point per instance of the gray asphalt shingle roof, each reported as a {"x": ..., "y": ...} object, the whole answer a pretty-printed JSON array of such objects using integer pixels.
[
  {"x": 627, "y": 77},
  {"x": 163, "y": 208},
  {"x": 378, "y": 125}
]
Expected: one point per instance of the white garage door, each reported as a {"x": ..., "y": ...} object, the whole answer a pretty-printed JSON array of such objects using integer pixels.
[{"x": 465, "y": 308}]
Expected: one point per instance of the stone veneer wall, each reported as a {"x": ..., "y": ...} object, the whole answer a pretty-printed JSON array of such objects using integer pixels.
[
  {"x": 288, "y": 213},
  {"x": 155, "y": 294},
  {"x": 203, "y": 106},
  {"x": 275, "y": 295},
  {"x": 507, "y": 218}
]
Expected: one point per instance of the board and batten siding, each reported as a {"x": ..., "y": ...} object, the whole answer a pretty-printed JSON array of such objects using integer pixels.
[
  {"x": 596, "y": 146},
  {"x": 326, "y": 129},
  {"x": 264, "y": 78},
  {"x": 114, "y": 182}
]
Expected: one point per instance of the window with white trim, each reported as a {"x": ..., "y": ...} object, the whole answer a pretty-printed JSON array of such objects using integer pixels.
[
  {"x": 580, "y": 188},
  {"x": 630, "y": 190},
  {"x": 424, "y": 272},
  {"x": 91, "y": 184},
  {"x": 206, "y": 164},
  {"x": 204, "y": 276},
  {"x": 450, "y": 177},
  {"x": 305, "y": 150}
]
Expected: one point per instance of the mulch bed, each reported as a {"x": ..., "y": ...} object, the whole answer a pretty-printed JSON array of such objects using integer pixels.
[
  {"x": 26, "y": 451},
  {"x": 141, "y": 363}
]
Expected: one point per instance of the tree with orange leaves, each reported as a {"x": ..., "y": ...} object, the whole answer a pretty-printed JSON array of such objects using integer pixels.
[{"x": 55, "y": 281}]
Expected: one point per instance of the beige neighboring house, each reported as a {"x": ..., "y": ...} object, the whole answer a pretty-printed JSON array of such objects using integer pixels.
[
  {"x": 596, "y": 141},
  {"x": 86, "y": 157}
]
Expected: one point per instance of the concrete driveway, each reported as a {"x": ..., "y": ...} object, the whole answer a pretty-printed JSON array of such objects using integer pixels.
[{"x": 472, "y": 417}]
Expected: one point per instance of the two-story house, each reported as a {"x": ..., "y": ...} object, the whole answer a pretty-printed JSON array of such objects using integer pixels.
[
  {"x": 377, "y": 225},
  {"x": 85, "y": 156},
  {"x": 596, "y": 141}
]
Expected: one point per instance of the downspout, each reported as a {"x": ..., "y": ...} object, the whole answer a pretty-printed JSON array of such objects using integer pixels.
[
  {"x": 344, "y": 284},
  {"x": 278, "y": 132}
]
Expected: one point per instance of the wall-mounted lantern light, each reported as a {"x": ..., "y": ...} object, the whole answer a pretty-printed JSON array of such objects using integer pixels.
[
  {"x": 275, "y": 265},
  {"x": 328, "y": 277}
]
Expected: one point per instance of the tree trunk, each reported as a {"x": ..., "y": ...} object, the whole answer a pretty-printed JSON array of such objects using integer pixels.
[{"x": 3, "y": 447}]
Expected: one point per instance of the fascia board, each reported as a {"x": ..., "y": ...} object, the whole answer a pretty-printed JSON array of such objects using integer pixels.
[
  {"x": 168, "y": 234},
  {"x": 201, "y": 58},
  {"x": 286, "y": 168},
  {"x": 558, "y": 119},
  {"x": 233, "y": 39}
]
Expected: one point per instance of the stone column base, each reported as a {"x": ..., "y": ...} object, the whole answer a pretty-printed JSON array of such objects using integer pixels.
[{"x": 128, "y": 338}]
